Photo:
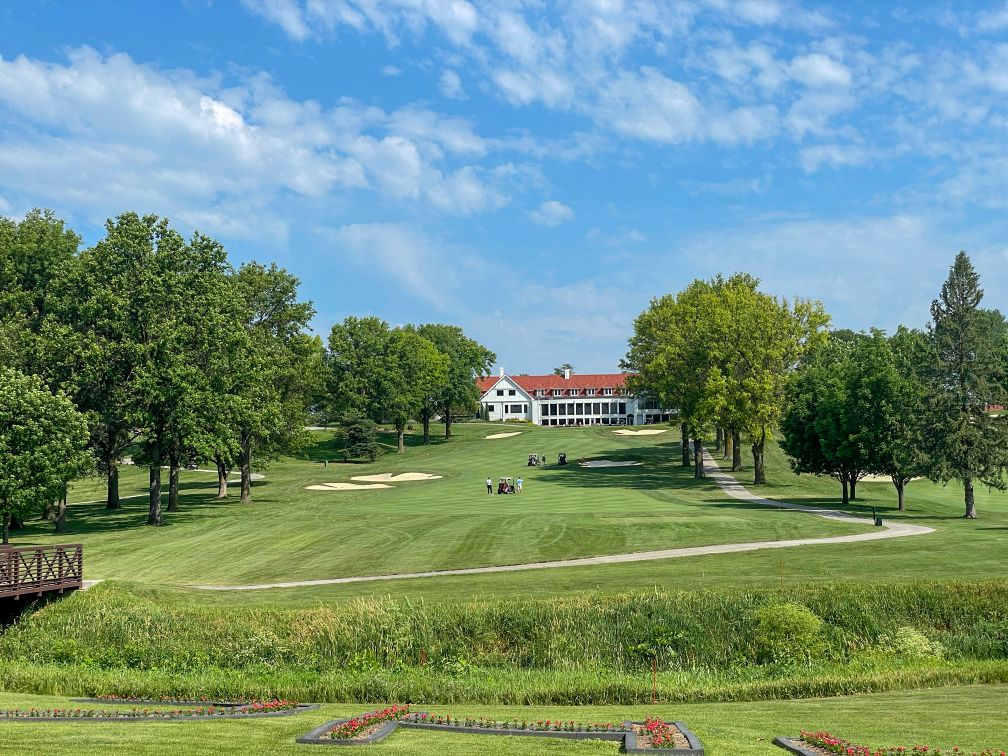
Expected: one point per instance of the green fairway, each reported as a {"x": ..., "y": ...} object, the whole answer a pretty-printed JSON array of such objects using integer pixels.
[
  {"x": 290, "y": 533},
  {"x": 970, "y": 717}
]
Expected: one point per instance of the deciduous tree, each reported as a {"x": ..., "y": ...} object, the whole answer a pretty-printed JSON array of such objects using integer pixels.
[{"x": 42, "y": 445}]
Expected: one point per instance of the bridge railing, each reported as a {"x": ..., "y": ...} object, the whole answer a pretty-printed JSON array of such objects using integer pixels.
[{"x": 35, "y": 570}]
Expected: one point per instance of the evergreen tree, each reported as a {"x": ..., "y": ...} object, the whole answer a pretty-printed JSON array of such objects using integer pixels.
[{"x": 966, "y": 375}]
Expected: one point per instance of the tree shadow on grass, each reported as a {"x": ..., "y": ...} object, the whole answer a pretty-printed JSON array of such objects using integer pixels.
[{"x": 92, "y": 519}]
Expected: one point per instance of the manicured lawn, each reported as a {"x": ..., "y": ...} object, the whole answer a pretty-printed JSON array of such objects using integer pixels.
[
  {"x": 291, "y": 533},
  {"x": 970, "y": 717}
]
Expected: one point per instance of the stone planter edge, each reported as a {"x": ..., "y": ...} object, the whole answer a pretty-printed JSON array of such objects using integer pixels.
[{"x": 792, "y": 746}]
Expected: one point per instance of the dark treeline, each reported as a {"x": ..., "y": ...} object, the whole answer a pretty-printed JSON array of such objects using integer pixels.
[
  {"x": 155, "y": 346},
  {"x": 740, "y": 364}
]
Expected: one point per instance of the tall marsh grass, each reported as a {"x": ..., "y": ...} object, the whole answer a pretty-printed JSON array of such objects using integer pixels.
[{"x": 584, "y": 649}]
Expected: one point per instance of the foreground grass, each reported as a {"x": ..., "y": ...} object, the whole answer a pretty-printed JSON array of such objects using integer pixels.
[
  {"x": 578, "y": 650},
  {"x": 970, "y": 717}
]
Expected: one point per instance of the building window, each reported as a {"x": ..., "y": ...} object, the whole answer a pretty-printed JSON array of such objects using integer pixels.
[
  {"x": 579, "y": 409},
  {"x": 517, "y": 408},
  {"x": 596, "y": 408},
  {"x": 622, "y": 408},
  {"x": 573, "y": 392},
  {"x": 490, "y": 408},
  {"x": 570, "y": 408},
  {"x": 511, "y": 392},
  {"x": 540, "y": 392},
  {"x": 607, "y": 392},
  {"x": 605, "y": 408},
  {"x": 590, "y": 392},
  {"x": 557, "y": 392},
  {"x": 563, "y": 409},
  {"x": 524, "y": 408},
  {"x": 500, "y": 392}
]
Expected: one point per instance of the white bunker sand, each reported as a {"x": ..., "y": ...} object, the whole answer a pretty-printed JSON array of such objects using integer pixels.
[
  {"x": 347, "y": 486},
  {"x": 608, "y": 463},
  {"x": 390, "y": 478},
  {"x": 503, "y": 435},
  {"x": 645, "y": 432}
]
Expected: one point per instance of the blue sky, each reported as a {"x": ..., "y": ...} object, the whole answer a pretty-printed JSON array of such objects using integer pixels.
[{"x": 532, "y": 171}]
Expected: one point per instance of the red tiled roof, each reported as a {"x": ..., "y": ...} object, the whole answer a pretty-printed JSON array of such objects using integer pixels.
[{"x": 531, "y": 383}]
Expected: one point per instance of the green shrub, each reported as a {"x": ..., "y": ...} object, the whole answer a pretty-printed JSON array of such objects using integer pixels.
[
  {"x": 787, "y": 633},
  {"x": 910, "y": 643}
]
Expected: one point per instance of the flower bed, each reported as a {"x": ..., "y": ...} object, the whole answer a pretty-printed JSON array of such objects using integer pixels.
[
  {"x": 233, "y": 711},
  {"x": 637, "y": 737},
  {"x": 820, "y": 743}
]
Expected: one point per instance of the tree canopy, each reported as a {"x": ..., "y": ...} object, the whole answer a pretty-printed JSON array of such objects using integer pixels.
[{"x": 43, "y": 440}]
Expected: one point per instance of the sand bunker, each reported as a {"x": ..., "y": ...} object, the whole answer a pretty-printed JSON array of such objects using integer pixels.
[
  {"x": 503, "y": 435},
  {"x": 879, "y": 479},
  {"x": 646, "y": 432},
  {"x": 347, "y": 486},
  {"x": 390, "y": 478},
  {"x": 608, "y": 463}
]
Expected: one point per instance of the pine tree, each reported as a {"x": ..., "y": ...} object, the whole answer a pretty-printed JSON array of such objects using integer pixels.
[{"x": 967, "y": 374}]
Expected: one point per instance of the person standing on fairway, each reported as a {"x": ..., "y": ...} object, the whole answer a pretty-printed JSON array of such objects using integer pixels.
[
  {"x": 489, "y": 486},
  {"x": 518, "y": 485}
]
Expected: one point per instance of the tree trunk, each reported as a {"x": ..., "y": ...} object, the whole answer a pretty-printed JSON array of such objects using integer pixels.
[
  {"x": 686, "y": 461},
  {"x": 727, "y": 451},
  {"x": 698, "y": 470},
  {"x": 853, "y": 487},
  {"x": 426, "y": 428},
  {"x": 6, "y": 528},
  {"x": 400, "y": 438},
  {"x": 736, "y": 452},
  {"x": 718, "y": 438},
  {"x": 900, "y": 491},
  {"x": 174, "y": 465},
  {"x": 759, "y": 475},
  {"x": 154, "y": 512},
  {"x": 222, "y": 476},
  {"x": 47, "y": 510},
  {"x": 245, "y": 460},
  {"x": 447, "y": 421},
  {"x": 970, "y": 504},
  {"x": 112, "y": 497},
  {"x": 843, "y": 482},
  {"x": 60, "y": 519}
]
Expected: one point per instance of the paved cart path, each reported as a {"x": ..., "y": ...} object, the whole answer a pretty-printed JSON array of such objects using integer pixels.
[{"x": 728, "y": 484}]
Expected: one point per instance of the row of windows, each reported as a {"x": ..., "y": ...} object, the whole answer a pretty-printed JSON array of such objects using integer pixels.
[
  {"x": 585, "y": 421},
  {"x": 574, "y": 392},
  {"x": 560, "y": 392},
  {"x": 513, "y": 408},
  {"x": 584, "y": 408}
]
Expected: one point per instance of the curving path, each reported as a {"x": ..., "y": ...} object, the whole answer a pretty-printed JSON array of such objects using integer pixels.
[{"x": 728, "y": 484}]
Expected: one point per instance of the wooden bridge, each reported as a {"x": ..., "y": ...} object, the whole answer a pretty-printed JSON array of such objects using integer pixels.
[{"x": 37, "y": 570}]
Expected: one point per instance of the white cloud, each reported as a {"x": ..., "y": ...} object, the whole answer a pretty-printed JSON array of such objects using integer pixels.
[
  {"x": 993, "y": 20},
  {"x": 818, "y": 70},
  {"x": 619, "y": 238},
  {"x": 648, "y": 105},
  {"x": 451, "y": 85},
  {"x": 287, "y": 14},
  {"x": 391, "y": 71},
  {"x": 191, "y": 147},
  {"x": 552, "y": 213},
  {"x": 405, "y": 255}
]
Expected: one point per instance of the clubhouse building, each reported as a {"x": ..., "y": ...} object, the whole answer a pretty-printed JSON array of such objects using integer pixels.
[{"x": 568, "y": 399}]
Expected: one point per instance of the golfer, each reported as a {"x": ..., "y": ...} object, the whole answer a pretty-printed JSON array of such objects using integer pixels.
[
  {"x": 489, "y": 486},
  {"x": 518, "y": 485}
]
